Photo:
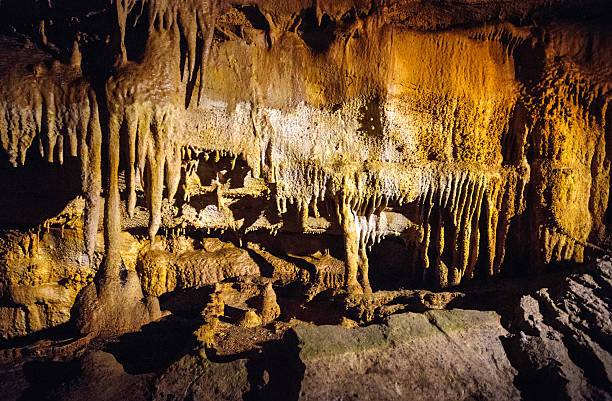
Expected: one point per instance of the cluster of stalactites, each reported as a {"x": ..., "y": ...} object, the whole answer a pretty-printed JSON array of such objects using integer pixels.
[
  {"x": 365, "y": 192},
  {"x": 568, "y": 95},
  {"x": 304, "y": 185},
  {"x": 567, "y": 92},
  {"x": 152, "y": 155},
  {"x": 194, "y": 18},
  {"x": 57, "y": 107},
  {"x": 451, "y": 214},
  {"x": 454, "y": 211}
]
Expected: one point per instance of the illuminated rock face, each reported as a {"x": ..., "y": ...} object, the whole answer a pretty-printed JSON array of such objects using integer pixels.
[{"x": 365, "y": 122}]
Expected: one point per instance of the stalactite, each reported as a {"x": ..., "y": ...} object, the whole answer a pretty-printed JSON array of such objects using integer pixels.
[
  {"x": 152, "y": 152},
  {"x": 191, "y": 17},
  {"x": 150, "y": 120},
  {"x": 453, "y": 211},
  {"x": 55, "y": 105},
  {"x": 454, "y": 206}
]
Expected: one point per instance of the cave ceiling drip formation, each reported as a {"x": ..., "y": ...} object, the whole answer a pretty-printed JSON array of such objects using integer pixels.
[{"x": 475, "y": 134}]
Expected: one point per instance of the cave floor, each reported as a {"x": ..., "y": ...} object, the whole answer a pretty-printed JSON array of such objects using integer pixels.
[{"x": 164, "y": 360}]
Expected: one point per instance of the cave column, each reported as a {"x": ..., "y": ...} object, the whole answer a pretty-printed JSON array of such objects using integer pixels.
[
  {"x": 363, "y": 268},
  {"x": 351, "y": 245},
  {"x": 112, "y": 215}
]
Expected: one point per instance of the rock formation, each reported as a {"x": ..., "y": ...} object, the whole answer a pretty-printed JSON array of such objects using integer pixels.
[{"x": 317, "y": 161}]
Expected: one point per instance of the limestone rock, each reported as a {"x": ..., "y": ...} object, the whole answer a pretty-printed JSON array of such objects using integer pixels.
[
  {"x": 291, "y": 126},
  {"x": 114, "y": 307},
  {"x": 269, "y": 309},
  {"x": 562, "y": 347},
  {"x": 398, "y": 359},
  {"x": 161, "y": 271},
  {"x": 103, "y": 378},
  {"x": 250, "y": 319},
  {"x": 441, "y": 143},
  {"x": 40, "y": 276},
  {"x": 195, "y": 377}
]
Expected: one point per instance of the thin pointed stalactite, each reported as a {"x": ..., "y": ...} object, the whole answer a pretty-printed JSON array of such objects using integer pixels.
[
  {"x": 193, "y": 19},
  {"x": 151, "y": 117},
  {"x": 51, "y": 104}
]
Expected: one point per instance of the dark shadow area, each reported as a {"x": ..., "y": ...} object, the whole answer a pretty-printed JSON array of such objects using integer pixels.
[
  {"x": 137, "y": 34},
  {"x": 61, "y": 334},
  {"x": 266, "y": 268},
  {"x": 255, "y": 17},
  {"x": 249, "y": 209},
  {"x": 227, "y": 169},
  {"x": 534, "y": 384},
  {"x": 187, "y": 303},
  {"x": 389, "y": 265},
  {"x": 37, "y": 191},
  {"x": 279, "y": 374},
  {"x": 318, "y": 37},
  {"x": 295, "y": 245},
  {"x": 503, "y": 294},
  {"x": 46, "y": 376},
  {"x": 371, "y": 119},
  {"x": 156, "y": 346},
  {"x": 231, "y": 314},
  {"x": 324, "y": 308}
]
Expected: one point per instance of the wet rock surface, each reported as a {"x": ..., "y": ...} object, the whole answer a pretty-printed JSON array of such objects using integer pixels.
[{"x": 210, "y": 199}]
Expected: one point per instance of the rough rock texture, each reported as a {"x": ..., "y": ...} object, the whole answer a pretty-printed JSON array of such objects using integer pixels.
[
  {"x": 274, "y": 117},
  {"x": 268, "y": 309},
  {"x": 563, "y": 347},
  {"x": 113, "y": 306},
  {"x": 41, "y": 273},
  {"x": 162, "y": 271},
  {"x": 550, "y": 343},
  {"x": 436, "y": 355},
  {"x": 266, "y": 163}
]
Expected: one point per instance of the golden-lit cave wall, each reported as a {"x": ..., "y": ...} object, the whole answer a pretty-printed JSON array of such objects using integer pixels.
[
  {"x": 394, "y": 114},
  {"x": 375, "y": 116},
  {"x": 356, "y": 126},
  {"x": 443, "y": 121}
]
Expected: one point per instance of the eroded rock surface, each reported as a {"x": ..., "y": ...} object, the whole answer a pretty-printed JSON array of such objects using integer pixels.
[
  {"x": 315, "y": 189},
  {"x": 435, "y": 355},
  {"x": 553, "y": 341},
  {"x": 563, "y": 347},
  {"x": 268, "y": 117}
]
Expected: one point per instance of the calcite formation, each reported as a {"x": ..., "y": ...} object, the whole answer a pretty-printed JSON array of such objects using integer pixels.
[{"x": 468, "y": 134}]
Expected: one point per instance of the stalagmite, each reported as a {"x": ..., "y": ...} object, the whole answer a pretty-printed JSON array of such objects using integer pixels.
[
  {"x": 351, "y": 248},
  {"x": 90, "y": 155},
  {"x": 265, "y": 118}
]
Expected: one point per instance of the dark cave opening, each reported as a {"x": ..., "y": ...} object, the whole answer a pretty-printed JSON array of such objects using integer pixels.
[
  {"x": 318, "y": 37},
  {"x": 390, "y": 265},
  {"x": 255, "y": 17},
  {"x": 36, "y": 191}
]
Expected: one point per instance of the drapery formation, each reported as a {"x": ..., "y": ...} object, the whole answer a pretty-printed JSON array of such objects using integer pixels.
[{"x": 448, "y": 140}]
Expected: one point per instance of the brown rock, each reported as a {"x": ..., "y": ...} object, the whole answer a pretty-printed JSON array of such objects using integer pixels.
[{"x": 269, "y": 309}]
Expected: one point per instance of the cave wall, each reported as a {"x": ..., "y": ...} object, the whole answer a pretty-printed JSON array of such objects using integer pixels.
[{"x": 471, "y": 132}]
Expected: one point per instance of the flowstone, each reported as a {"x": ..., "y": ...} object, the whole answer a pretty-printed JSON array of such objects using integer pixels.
[{"x": 306, "y": 189}]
